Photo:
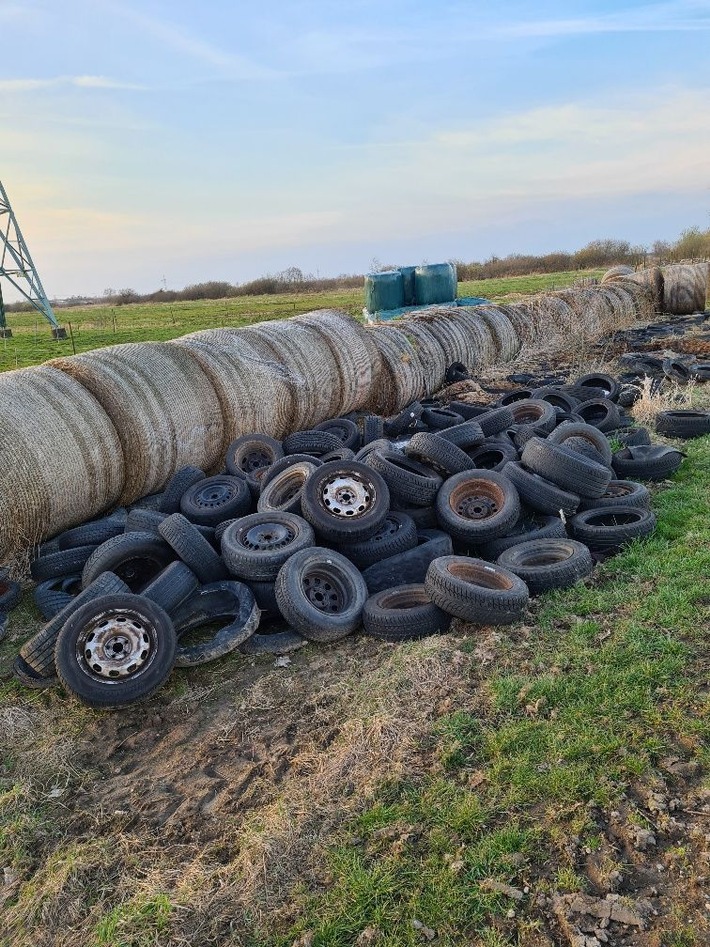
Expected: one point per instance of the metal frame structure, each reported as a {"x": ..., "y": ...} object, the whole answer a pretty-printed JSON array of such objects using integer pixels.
[{"x": 16, "y": 264}]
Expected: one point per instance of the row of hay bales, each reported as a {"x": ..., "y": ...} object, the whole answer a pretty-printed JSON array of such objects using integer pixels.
[
  {"x": 679, "y": 289},
  {"x": 82, "y": 434}
]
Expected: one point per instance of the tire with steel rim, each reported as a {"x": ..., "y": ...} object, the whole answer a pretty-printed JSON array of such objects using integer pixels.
[
  {"x": 397, "y": 534},
  {"x": 255, "y": 547},
  {"x": 476, "y": 591},
  {"x": 250, "y": 452},
  {"x": 624, "y": 492},
  {"x": 321, "y": 594},
  {"x": 214, "y": 499},
  {"x": 345, "y": 501},
  {"x": 116, "y": 651},
  {"x": 474, "y": 506}
]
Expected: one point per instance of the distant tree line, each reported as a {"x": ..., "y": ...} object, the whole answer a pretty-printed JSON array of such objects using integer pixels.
[{"x": 693, "y": 244}]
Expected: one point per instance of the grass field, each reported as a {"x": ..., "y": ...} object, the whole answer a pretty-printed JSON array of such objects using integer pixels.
[{"x": 97, "y": 326}]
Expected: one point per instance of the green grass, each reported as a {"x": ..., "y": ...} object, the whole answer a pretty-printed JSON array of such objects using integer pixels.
[
  {"x": 96, "y": 326},
  {"x": 576, "y": 709}
]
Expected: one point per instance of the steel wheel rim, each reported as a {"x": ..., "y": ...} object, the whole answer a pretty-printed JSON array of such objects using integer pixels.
[
  {"x": 267, "y": 536},
  {"x": 347, "y": 496},
  {"x": 116, "y": 646},
  {"x": 214, "y": 495},
  {"x": 324, "y": 591}
]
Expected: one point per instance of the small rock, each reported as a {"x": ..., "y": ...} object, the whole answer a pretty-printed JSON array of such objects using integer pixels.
[
  {"x": 644, "y": 839},
  {"x": 282, "y": 662}
]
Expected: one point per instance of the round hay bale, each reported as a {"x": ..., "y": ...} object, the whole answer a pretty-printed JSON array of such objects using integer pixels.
[
  {"x": 505, "y": 337},
  {"x": 479, "y": 338},
  {"x": 652, "y": 277},
  {"x": 430, "y": 353},
  {"x": 403, "y": 378},
  {"x": 357, "y": 359},
  {"x": 60, "y": 457},
  {"x": 163, "y": 407},
  {"x": 685, "y": 288},
  {"x": 615, "y": 272},
  {"x": 254, "y": 395},
  {"x": 543, "y": 321},
  {"x": 304, "y": 351},
  {"x": 449, "y": 331}
]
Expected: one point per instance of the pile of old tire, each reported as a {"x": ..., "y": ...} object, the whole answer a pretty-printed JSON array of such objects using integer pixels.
[{"x": 394, "y": 524}]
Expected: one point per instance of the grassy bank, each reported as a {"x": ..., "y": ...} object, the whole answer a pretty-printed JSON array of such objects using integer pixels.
[{"x": 97, "y": 326}]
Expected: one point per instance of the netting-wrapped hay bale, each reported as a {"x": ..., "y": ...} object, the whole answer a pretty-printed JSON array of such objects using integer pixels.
[
  {"x": 431, "y": 354},
  {"x": 355, "y": 355},
  {"x": 652, "y": 278},
  {"x": 304, "y": 351},
  {"x": 162, "y": 404},
  {"x": 636, "y": 301},
  {"x": 448, "y": 330},
  {"x": 545, "y": 321},
  {"x": 685, "y": 288},
  {"x": 254, "y": 394},
  {"x": 60, "y": 457},
  {"x": 505, "y": 337},
  {"x": 479, "y": 338},
  {"x": 615, "y": 272},
  {"x": 403, "y": 378}
]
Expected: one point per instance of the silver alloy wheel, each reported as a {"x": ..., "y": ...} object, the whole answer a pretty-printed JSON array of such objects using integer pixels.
[{"x": 347, "y": 496}]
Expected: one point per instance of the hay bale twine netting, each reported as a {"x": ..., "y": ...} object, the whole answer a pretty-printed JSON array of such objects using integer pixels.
[
  {"x": 685, "y": 288},
  {"x": 617, "y": 272},
  {"x": 60, "y": 457},
  {"x": 403, "y": 378},
  {"x": 431, "y": 354},
  {"x": 161, "y": 403},
  {"x": 356, "y": 356},
  {"x": 254, "y": 394},
  {"x": 503, "y": 332},
  {"x": 304, "y": 351}
]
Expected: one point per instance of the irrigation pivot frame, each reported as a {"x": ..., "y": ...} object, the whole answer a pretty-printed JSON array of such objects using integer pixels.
[{"x": 17, "y": 268}]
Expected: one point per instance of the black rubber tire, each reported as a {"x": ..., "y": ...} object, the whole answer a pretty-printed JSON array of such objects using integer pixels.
[
  {"x": 646, "y": 462},
  {"x": 65, "y": 562},
  {"x": 55, "y": 594},
  {"x": 255, "y": 547},
  {"x": 457, "y": 371},
  {"x": 476, "y": 591},
  {"x": 438, "y": 453},
  {"x": 283, "y": 492},
  {"x": 220, "y": 529},
  {"x": 588, "y": 432},
  {"x": 469, "y": 412},
  {"x": 373, "y": 427},
  {"x": 409, "y": 481},
  {"x": 283, "y": 464},
  {"x": 545, "y": 564},
  {"x": 136, "y": 558},
  {"x": 580, "y": 445},
  {"x": 436, "y": 419},
  {"x": 566, "y": 468},
  {"x": 157, "y": 636},
  {"x": 404, "y": 421},
  {"x": 403, "y": 613},
  {"x": 214, "y": 499},
  {"x": 397, "y": 534},
  {"x": 684, "y": 424},
  {"x": 150, "y": 502},
  {"x": 10, "y": 592},
  {"x": 466, "y": 435},
  {"x": 186, "y": 541},
  {"x": 315, "y": 442},
  {"x": 265, "y": 595},
  {"x": 38, "y": 652},
  {"x": 624, "y": 492},
  {"x": 369, "y": 501},
  {"x": 380, "y": 444},
  {"x": 585, "y": 393},
  {"x": 600, "y": 413},
  {"x": 530, "y": 526},
  {"x": 612, "y": 527},
  {"x": 539, "y": 416},
  {"x": 91, "y": 534},
  {"x": 424, "y": 517},
  {"x": 511, "y": 397},
  {"x": 539, "y": 493},
  {"x": 599, "y": 380},
  {"x": 181, "y": 481},
  {"x": 677, "y": 370},
  {"x": 321, "y": 594},
  {"x": 250, "y": 452},
  {"x": 410, "y": 566},
  {"x": 475, "y": 506},
  {"x": 226, "y": 599},
  {"x": 494, "y": 454},
  {"x": 495, "y": 420},
  {"x": 558, "y": 399},
  {"x": 144, "y": 521},
  {"x": 631, "y": 437},
  {"x": 344, "y": 429},
  {"x": 342, "y": 453},
  {"x": 277, "y": 639},
  {"x": 170, "y": 588},
  {"x": 28, "y": 677}
]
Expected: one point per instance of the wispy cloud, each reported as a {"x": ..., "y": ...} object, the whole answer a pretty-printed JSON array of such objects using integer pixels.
[
  {"x": 683, "y": 16},
  {"x": 228, "y": 64},
  {"x": 80, "y": 82}
]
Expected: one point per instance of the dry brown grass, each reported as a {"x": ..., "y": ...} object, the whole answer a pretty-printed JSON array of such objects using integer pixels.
[{"x": 656, "y": 398}]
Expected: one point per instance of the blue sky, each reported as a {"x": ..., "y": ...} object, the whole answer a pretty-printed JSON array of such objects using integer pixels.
[{"x": 222, "y": 140}]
